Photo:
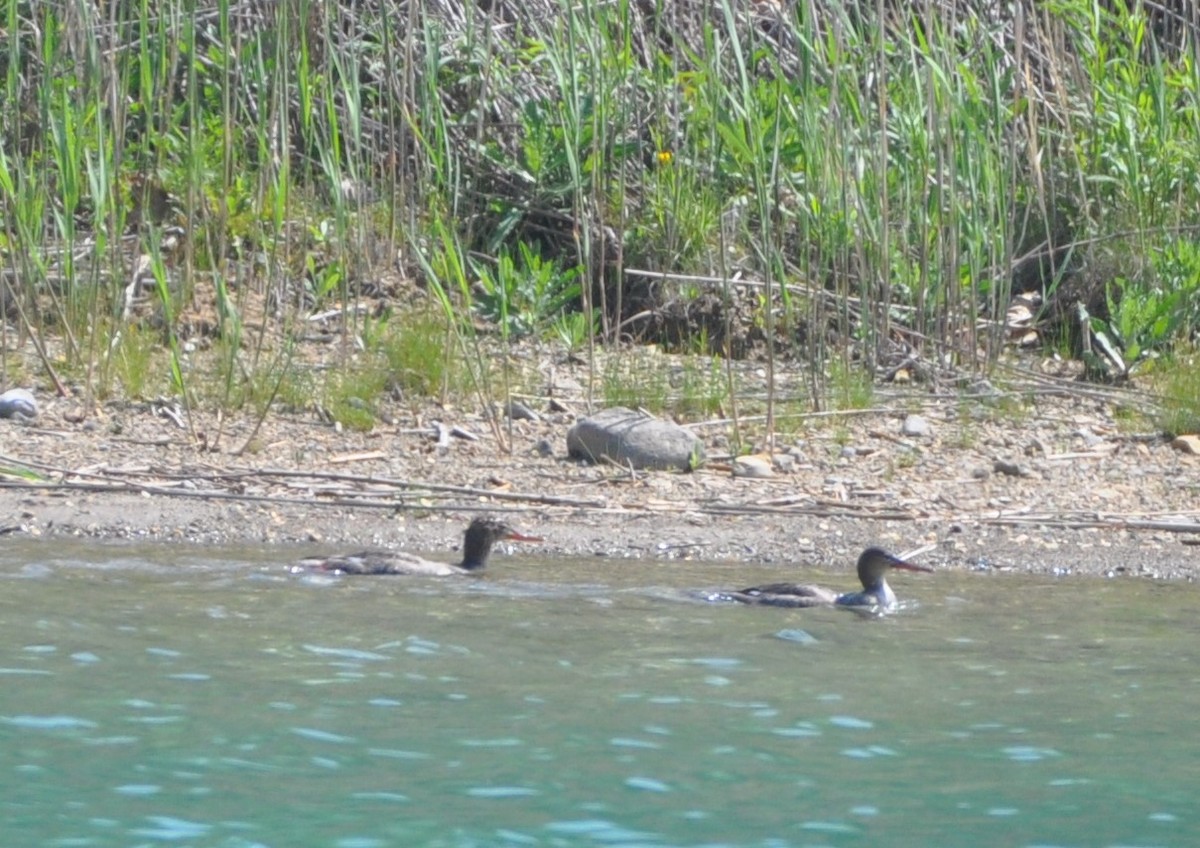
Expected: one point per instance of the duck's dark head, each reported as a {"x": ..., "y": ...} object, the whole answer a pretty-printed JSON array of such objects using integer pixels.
[
  {"x": 874, "y": 564},
  {"x": 484, "y": 532}
]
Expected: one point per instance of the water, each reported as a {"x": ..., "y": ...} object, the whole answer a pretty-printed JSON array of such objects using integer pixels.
[{"x": 158, "y": 697}]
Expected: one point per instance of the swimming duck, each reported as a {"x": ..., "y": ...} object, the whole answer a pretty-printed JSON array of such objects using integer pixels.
[
  {"x": 478, "y": 539},
  {"x": 873, "y": 565}
]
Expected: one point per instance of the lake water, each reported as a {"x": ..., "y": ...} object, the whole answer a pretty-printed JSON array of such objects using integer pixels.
[{"x": 173, "y": 696}]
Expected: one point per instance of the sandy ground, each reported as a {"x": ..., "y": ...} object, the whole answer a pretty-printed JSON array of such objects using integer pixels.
[{"x": 1053, "y": 486}]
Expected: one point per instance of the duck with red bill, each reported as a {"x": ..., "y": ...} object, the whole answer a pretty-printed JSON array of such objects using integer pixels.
[
  {"x": 873, "y": 566},
  {"x": 478, "y": 540}
]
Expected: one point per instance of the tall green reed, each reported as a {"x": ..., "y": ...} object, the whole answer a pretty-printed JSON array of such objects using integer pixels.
[{"x": 875, "y": 169}]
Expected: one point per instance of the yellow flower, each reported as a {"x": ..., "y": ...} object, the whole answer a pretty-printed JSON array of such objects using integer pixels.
[{"x": 665, "y": 157}]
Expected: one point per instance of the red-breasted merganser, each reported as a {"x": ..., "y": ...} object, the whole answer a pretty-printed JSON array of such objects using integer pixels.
[
  {"x": 873, "y": 565},
  {"x": 477, "y": 544}
]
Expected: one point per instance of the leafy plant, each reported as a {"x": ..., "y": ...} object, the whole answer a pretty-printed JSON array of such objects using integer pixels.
[
  {"x": 352, "y": 393},
  {"x": 133, "y": 360},
  {"x": 702, "y": 389},
  {"x": 850, "y": 387},
  {"x": 633, "y": 382},
  {"x": 421, "y": 357},
  {"x": 573, "y": 329},
  {"x": 522, "y": 296},
  {"x": 1151, "y": 317},
  {"x": 1180, "y": 406}
]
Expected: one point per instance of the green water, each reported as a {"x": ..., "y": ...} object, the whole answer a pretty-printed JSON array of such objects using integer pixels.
[{"x": 170, "y": 697}]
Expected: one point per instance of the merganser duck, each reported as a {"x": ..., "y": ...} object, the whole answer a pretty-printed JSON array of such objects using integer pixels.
[
  {"x": 478, "y": 539},
  {"x": 873, "y": 565}
]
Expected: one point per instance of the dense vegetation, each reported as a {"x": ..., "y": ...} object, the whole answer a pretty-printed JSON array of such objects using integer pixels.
[{"x": 846, "y": 185}]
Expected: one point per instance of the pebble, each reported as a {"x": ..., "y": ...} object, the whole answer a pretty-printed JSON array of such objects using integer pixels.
[
  {"x": 1187, "y": 444},
  {"x": 754, "y": 466},
  {"x": 916, "y": 425},
  {"x": 518, "y": 411}
]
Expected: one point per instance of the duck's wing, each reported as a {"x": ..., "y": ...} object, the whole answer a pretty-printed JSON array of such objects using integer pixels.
[
  {"x": 784, "y": 595},
  {"x": 378, "y": 562}
]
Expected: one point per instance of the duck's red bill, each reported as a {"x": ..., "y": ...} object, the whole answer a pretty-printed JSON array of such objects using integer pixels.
[
  {"x": 908, "y": 566},
  {"x": 514, "y": 536}
]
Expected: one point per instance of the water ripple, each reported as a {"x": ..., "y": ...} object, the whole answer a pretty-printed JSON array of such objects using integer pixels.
[
  {"x": 502, "y": 792},
  {"x": 170, "y": 828},
  {"x": 801, "y": 730},
  {"x": 851, "y": 722},
  {"x": 397, "y": 754},
  {"x": 624, "y": 742},
  {"x": 381, "y": 796},
  {"x": 345, "y": 653},
  {"x": 600, "y": 830},
  {"x": 321, "y": 735},
  {"x": 869, "y": 752},
  {"x": 1029, "y": 754},
  {"x": 829, "y": 827},
  {"x": 801, "y": 637},
  {"x": 141, "y": 789},
  {"x": 716, "y": 662},
  {"x": 506, "y": 742},
  {"x": 647, "y": 784},
  {"x": 49, "y": 722}
]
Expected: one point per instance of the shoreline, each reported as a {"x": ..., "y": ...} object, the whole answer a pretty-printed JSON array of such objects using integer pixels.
[{"x": 1057, "y": 489}]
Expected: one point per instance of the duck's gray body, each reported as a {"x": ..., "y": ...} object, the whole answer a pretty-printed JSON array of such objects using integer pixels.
[
  {"x": 478, "y": 540},
  {"x": 873, "y": 565}
]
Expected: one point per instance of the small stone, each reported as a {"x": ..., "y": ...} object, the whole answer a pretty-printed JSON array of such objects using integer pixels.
[
  {"x": 915, "y": 425},
  {"x": 545, "y": 448},
  {"x": 755, "y": 466},
  {"x": 785, "y": 463},
  {"x": 848, "y": 452},
  {"x": 1187, "y": 444},
  {"x": 1090, "y": 439},
  {"x": 1012, "y": 469},
  {"x": 981, "y": 388},
  {"x": 518, "y": 411}
]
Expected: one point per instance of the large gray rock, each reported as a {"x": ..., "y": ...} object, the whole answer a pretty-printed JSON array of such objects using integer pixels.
[
  {"x": 19, "y": 404},
  {"x": 635, "y": 439}
]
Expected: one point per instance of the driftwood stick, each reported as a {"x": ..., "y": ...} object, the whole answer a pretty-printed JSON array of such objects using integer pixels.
[
  {"x": 372, "y": 504},
  {"x": 265, "y": 475},
  {"x": 1113, "y": 522}
]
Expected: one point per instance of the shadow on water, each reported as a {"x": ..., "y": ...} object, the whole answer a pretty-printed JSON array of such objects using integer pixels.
[{"x": 161, "y": 695}]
